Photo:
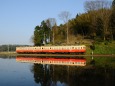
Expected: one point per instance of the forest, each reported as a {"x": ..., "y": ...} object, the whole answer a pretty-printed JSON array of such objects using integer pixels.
[
  {"x": 96, "y": 24},
  {"x": 10, "y": 48}
]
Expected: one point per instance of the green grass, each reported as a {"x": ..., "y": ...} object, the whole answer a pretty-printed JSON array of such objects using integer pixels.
[{"x": 102, "y": 48}]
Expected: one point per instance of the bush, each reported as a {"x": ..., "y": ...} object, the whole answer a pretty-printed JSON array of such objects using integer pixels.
[
  {"x": 92, "y": 47},
  {"x": 106, "y": 42}
]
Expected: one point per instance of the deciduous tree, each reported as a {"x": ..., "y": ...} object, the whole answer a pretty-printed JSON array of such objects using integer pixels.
[
  {"x": 65, "y": 16},
  {"x": 102, "y": 9},
  {"x": 50, "y": 23}
]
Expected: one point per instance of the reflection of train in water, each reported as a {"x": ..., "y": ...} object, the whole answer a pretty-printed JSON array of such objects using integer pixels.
[
  {"x": 52, "y": 49},
  {"x": 53, "y": 61}
]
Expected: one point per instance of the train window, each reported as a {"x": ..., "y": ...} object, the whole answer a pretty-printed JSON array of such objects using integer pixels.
[
  {"x": 57, "y": 48},
  {"x": 72, "y": 47},
  {"x": 78, "y": 62}
]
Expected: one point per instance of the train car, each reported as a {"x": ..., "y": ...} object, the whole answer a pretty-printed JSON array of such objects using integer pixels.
[
  {"x": 53, "y": 61},
  {"x": 52, "y": 49}
]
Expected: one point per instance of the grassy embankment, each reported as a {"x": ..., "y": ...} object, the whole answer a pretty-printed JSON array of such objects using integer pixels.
[
  {"x": 8, "y": 53},
  {"x": 102, "y": 48}
]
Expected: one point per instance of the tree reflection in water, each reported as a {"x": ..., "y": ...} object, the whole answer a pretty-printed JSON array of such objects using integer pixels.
[{"x": 54, "y": 75}]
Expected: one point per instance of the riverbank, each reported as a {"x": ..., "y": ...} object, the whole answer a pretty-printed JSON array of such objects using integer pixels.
[
  {"x": 53, "y": 55},
  {"x": 8, "y": 53}
]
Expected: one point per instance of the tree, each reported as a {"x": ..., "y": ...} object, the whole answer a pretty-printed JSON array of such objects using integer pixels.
[
  {"x": 102, "y": 9},
  {"x": 41, "y": 34},
  {"x": 82, "y": 25},
  {"x": 46, "y": 31},
  {"x": 112, "y": 20},
  {"x": 50, "y": 23},
  {"x": 38, "y": 36},
  {"x": 99, "y": 27},
  {"x": 96, "y": 5},
  {"x": 65, "y": 16},
  {"x": 113, "y": 3}
]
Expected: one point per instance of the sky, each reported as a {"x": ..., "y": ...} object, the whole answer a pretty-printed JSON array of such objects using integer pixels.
[{"x": 18, "y": 18}]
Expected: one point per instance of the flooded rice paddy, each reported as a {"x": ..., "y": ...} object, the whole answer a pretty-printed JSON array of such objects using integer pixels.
[{"x": 45, "y": 71}]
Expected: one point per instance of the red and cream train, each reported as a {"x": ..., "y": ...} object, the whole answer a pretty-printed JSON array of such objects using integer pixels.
[{"x": 52, "y": 49}]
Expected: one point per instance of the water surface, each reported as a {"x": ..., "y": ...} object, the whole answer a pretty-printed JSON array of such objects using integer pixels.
[{"x": 99, "y": 71}]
